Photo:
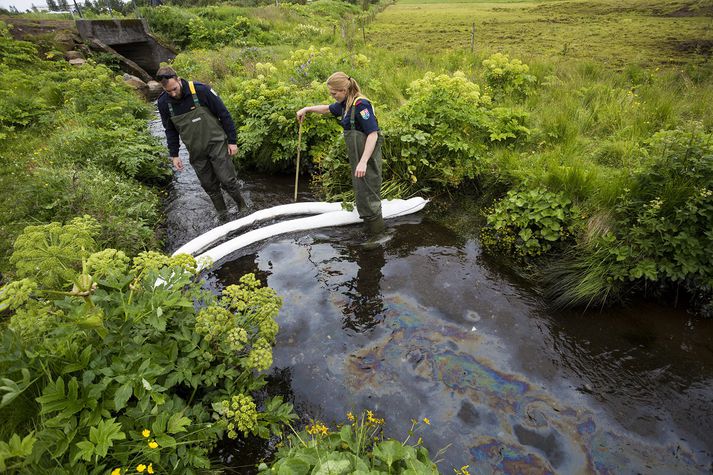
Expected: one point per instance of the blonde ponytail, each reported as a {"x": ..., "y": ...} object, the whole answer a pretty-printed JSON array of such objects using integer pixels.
[{"x": 342, "y": 82}]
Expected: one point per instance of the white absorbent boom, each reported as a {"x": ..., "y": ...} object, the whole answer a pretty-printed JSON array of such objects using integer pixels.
[{"x": 326, "y": 215}]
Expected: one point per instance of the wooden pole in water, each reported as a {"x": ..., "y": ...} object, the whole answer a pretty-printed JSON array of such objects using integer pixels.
[{"x": 297, "y": 167}]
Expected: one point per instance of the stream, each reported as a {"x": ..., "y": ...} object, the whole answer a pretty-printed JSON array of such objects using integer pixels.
[{"x": 425, "y": 326}]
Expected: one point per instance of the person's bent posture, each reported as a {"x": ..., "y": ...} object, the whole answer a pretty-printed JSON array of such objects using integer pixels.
[
  {"x": 361, "y": 136},
  {"x": 194, "y": 112}
]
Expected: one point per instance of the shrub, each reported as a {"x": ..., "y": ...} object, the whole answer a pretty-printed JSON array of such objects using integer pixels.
[
  {"x": 507, "y": 76},
  {"x": 443, "y": 131},
  {"x": 665, "y": 216},
  {"x": 308, "y": 65},
  {"x": 122, "y": 372},
  {"x": 169, "y": 22},
  {"x": 528, "y": 223},
  {"x": 264, "y": 112}
]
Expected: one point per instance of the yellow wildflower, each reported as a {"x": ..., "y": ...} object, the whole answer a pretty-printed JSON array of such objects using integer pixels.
[
  {"x": 146, "y": 433},
  {"x": 350, "y": 416},
  {"x": 317, "y": 428},
  {"x": 463, "y": 470},
  {"x": 153, "y": 444},
  {"x": 140, "y": 468},
  {"x": 149, "y": 469},
  {"x": 373, "y": 420},
  {"x": 116, "y": 471},
  {"x": 427, "y": 421}
]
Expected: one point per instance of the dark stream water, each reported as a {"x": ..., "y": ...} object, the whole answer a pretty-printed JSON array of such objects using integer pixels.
[{"x": 425, "y": 326}]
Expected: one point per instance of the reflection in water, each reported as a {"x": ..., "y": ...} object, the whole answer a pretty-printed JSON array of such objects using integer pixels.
[{"x": 366, "y": 307}]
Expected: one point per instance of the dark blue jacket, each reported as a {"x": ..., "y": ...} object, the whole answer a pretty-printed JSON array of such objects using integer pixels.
[
  {"x": 207, "y": 98},
  {"x": 364, "y": 117}
]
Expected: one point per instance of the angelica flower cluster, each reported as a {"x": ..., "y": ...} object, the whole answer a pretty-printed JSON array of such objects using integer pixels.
[
  {"x": 236, "y": 338},
  {"x": 52, "y": 254},
  {"x": 186, "y": 261},
  {"x": 268, "y": 329},
  {"x": 15, "y": 294},
  {"x": 34, "y": 320},
  {"x": 213, "y": 321},
  {"x": 107, "y": 262},
  {"x": 260, "y": 357},
  {"x": 237, "y": 297},
  {"x": 241, "y": 415},
  {"x": 147, "y": 261}
]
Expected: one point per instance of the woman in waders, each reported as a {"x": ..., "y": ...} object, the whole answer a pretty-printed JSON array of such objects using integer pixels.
[{"x": 361, "y": 135}]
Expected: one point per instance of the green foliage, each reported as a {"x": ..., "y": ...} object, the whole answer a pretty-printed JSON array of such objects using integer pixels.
[
  {"x": 264, "y": 112},
  {"x": 306, "y": 66},
  {"x": 170, "y": 23},
  {"x": 356, "y": 447},
  {"x": 74, "y": 141},
  {"x": 16, "y": 448},
  {"x": 443, "y": 130},
  {"x": 660, "y": 229},
  {"x": 120, "y": 371},
  {"x": 125, "y": 149},
  {"x": 667, "y": 216},
  {"x": 52, "y": 254},
  {"x": 528, "y": 223},
  {"x": 207, "y": 32},
  {"x": 14, "y": 53},
  {"x": 128, "y": 211},
  {"x": 507, "y": 76}
]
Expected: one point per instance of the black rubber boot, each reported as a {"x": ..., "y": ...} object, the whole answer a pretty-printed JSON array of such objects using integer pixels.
[
  {"x": 219, "y": 204},
  {"x": 374, "y": 231},
  {"x": 375, "y": 227},
  {"x": 239, "y": 200}
]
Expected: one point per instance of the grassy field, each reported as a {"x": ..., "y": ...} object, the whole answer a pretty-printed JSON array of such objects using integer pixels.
[{"x": 613, "y": 33}]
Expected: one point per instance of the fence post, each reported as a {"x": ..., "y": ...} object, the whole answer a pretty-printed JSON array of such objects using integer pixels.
[{"x": 472, "y": 38}]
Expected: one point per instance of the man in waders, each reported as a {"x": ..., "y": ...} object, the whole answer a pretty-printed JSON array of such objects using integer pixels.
[{"x": 194, "y": 112}]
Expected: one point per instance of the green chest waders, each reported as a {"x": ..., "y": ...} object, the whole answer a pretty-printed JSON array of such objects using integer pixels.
[
  {"x": 367, "y": 190},
  {"x": 207, "y": 147}
]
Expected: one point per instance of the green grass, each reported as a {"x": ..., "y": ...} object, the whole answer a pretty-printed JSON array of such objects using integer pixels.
[{"x": 610, "y": 33}]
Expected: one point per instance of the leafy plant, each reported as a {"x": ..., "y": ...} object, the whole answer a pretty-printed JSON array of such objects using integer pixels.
[
  {"x": 355, "y": 447},
  {"x": 507, "y": 76},
  {"x": 528, "y": 223},
  {"x": 15, "y": 53},
  {"x": 122, "y": 372},
  {"x": 267, "y": 129}
]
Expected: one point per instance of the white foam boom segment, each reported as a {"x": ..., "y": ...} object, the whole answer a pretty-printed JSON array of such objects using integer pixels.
[{"x": 327, "y": 215}]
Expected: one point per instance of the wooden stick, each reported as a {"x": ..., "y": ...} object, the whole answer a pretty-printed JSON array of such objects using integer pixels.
[{"x": 297, "y": 167}]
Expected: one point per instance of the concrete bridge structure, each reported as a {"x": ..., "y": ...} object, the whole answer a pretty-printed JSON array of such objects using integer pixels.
[{"x": 139, "y": 53}]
